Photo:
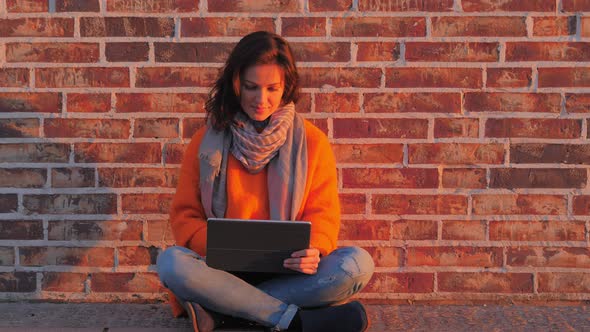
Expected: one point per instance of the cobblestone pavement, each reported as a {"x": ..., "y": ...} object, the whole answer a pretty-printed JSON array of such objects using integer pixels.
[{"x": 21, "y": 317}]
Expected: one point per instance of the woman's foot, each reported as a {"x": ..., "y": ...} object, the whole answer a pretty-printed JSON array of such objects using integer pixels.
[
  {"x": 201, "y": 320},
  {"x": 349, "y": 317}
]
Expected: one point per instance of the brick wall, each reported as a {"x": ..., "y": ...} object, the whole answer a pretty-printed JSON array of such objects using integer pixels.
[{"x": 460, "y": 129}]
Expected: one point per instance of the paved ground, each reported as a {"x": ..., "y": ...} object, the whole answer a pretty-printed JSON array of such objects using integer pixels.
[{"x": 21, "y": 317}]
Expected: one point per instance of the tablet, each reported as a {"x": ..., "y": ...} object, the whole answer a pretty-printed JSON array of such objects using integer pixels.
[{"x": 237, "y": 245}]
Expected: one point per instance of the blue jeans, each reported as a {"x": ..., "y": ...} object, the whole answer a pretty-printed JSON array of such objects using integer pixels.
[{"x": 274, "y": 302}]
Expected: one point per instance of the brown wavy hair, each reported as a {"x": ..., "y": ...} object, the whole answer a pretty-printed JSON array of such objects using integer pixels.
[{"x": 257, "y": 48}]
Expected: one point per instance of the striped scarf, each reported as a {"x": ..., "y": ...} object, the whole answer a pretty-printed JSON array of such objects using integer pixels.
[{"x": 253, "y": 149}]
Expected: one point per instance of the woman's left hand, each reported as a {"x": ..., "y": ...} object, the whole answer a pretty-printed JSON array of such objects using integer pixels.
[{"x": 305, "y": 261}]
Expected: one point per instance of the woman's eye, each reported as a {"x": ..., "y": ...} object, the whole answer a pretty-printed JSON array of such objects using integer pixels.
[{"x": 249, "y": 87}]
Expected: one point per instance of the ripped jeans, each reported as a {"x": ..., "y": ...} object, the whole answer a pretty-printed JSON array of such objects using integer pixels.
[{"x": 273, "y": 302}]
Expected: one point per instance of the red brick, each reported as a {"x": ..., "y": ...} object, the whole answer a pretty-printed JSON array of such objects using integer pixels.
[
  {"x": 581, "y": 204},
  {"x": 330, "y": 5},
  {"x": 433, "y": 78},
  {"x": 464, "y": 230},
  {"x": 14, "y": 77},
  {"x": 192, "y": 52},
  {"x": 71, "y": 204},
  {"x": 160, "y": 77},
  {"x": 406, "y": 6},
  {"x": 386, "y": 256},
  {"x": 577, "y": 102},
  {"x": 63, "y": 282},
  {"x": 485, "y": 282},
  {"x": 73, "y": 177},
  {"x": 380, "y": 128},
  {"x": 94, "y": 77},
  {"x": 91, "y": 230},
  {"x": 137, "y": 256},
  {"x": 191, "y": 125},
  {"x": 456, "y": 127},
  {"x": 127, "y": 52},
  {"x": 117, "y": 153},
  {"x": 41, "y": 102},
  {"x": 550, "y": 153},
  {"x": 337, "y": 103},
  {"x": 18, "y": 282},
  {"x": 455, "y": 256},
  {"x": 225, "y": 26},
  {"x": 509, "y": 78},
  {"x": 508, "y": 6},
  {"x": 340, "y": 77},
  {"x": 159, "y": 230},
  {"x": 90, "y": 128},
  {"x": 548, "y": 51},
  {"x": 548, "y": 257},
  {"x": 473, "y": 178},
  {"x": 377, "y": 51},
  {"x": 19, "y": 128},
  {"x": 138, "y": 177},
  {"x": 576, "y": 5},
  {"x": 254, "y": 6},
  {"x": 489, "y": 204},
  {"x": 456, "y": 153},
  {"x": 127, "y": 26},
  {"x": 21, "y": 229},
  {"x": 161, "y": 102},
  {"x": 303, "y": 26},
  {"x": 8, "y": 203},
  {"x": 564, "y": 77},
  {"x": 152, "y": 6},
  {"x": 419, "y": 102},
  {"x": 378, "y": 27},
  {"x": 390, "y": 178},
  {"x": 353, "y": 203},
  {"x": 81, "y": 256},
  {"x": 368, "y": 153},
  {"x": 89, "y": 102},
  {"x": 452, "y": 52},
  {"x": 27, "y": 6},
  {"x": 554, "y": 26},
  {"x": 406, "y": 282},
  {"x": 146, "y": 203},
  {"x": 564, "y": 282},
  {"x": 125, "y": 282},
  {"x": 520, "y": 230},
  {"x": 365, "y": 230},
  {"x": 538, "y": 178},
  {"x": 321, "y": 52},
  {"x": 34, "y": 153},
  {"x": 37, "y": 27},
  {"x": 534, "y": 128},
  {"x": 22, "y": 177},
  {"x": 479, "y": 26},
  {"x": 585, "y": 26},
  {"x": 321, "y": 124},
  {"x": 173, "y": 153},
  {"x": 415, "y": 230},
  {"x": 156, "y": 128},
  {"x": 7, "y": 256},
  {"x": 419, "y": 204},
  {"x": 77, "y": 6}
]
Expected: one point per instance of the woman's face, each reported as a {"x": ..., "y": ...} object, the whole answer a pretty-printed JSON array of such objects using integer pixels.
[{"x": 261, "y": 90}]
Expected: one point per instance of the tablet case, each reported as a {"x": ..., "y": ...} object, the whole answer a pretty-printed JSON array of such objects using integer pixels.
[{"x": 254, "y": 245}]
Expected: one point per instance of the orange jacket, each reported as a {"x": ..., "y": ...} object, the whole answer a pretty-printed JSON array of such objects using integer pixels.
[{"x": 247, "y": 197}]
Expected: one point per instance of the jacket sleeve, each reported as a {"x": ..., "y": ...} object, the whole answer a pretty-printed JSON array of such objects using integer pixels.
[
  {"x": 187, "y": 216},
  {"x": 322, "y": 205}
]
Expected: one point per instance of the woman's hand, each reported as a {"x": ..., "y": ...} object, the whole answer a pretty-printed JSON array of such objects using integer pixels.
[{"x": 305, "y": 261}]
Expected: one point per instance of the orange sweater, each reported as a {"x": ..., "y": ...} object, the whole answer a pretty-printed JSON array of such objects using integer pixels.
[{"x": 247, "y": 196}]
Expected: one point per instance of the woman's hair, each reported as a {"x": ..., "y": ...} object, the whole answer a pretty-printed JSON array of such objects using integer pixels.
[{"x": 257, "y": 48}]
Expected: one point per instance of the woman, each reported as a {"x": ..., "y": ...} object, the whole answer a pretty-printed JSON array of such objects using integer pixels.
[{"x": 258, "y": 159}]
